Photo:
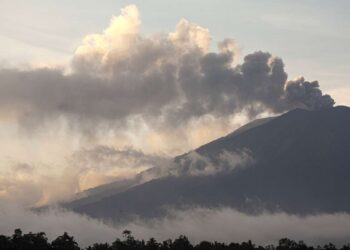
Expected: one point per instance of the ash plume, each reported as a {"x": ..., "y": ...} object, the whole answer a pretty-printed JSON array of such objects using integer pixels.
[{"x": 166, "y": 79}]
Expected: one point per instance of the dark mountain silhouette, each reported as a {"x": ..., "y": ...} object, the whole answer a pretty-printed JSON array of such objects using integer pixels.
[{"x": 301, "y": 165}]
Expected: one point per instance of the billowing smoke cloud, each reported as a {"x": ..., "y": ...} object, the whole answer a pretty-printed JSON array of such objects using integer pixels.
[
  {"x": 224, "y": 224},
  {"x": 307, "y": 93},
  {"x": 164, "y": 79}
]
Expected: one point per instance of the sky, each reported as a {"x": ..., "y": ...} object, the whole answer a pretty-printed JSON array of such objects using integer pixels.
[{"x": 92, "y": 91}]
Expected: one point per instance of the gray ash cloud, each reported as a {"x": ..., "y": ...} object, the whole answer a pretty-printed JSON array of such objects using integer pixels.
[{"x": 168, "y": 79}]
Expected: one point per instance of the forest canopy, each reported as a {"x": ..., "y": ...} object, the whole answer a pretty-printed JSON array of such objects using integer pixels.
[{"x": 39, "y": 241}]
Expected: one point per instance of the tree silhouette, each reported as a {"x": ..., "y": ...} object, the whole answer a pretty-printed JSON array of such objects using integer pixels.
[
  {"x": 152, "y": 244},
  {"x": 64, "y": 242},
  {"x": 345, "y": 247},
  {"x": 97, "y": 246},
  {"x": 182, "y": 243},
  {"x": 286, "y": 244},
  {"x": 39, "y": 241},
  {"x": 5, "y": 242}
]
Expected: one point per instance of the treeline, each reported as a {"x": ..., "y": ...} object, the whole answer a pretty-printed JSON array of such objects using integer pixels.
[{"x": 39, "y": 241}]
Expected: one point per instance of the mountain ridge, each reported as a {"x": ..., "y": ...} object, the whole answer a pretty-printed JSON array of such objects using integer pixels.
[{"x": 301, "y": 162}]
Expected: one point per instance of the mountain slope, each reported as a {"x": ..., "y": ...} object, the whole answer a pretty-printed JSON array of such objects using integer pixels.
[{"x": 301, "y": 165}]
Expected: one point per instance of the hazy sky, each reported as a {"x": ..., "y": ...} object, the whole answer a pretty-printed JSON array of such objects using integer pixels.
[{"x": 311, "y": 36}]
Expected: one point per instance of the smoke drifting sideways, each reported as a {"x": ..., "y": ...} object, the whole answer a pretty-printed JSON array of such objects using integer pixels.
[
  {"x": 28, "y": 185},
  {"x": 223, "y": 224},
  {"x": 87, "y": 169},
  {"x": 163, "y": 80}
]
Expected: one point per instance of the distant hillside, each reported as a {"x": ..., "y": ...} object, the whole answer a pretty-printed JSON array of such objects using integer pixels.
[{"x": 300, "y": 163}]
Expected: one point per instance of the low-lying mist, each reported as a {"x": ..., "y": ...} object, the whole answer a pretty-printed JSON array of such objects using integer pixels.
[{"x": 224, "y": 224}]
